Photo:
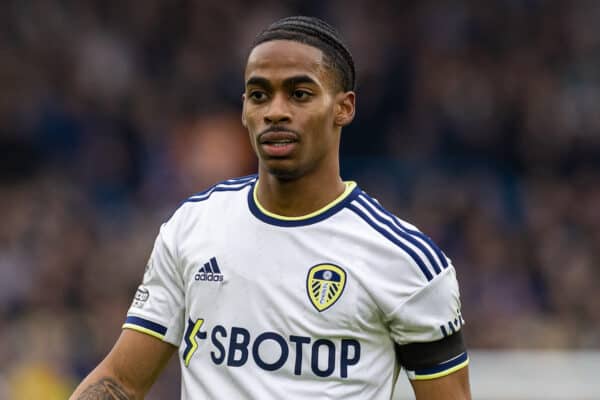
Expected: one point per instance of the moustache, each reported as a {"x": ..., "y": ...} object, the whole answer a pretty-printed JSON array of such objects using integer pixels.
[{"x": 276, "y": 128}]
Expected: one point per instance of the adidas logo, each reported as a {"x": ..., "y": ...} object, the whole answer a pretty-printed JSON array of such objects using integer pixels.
[{"x": 209, "y": 272}]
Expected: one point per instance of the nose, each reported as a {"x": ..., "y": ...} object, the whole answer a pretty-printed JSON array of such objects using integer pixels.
[{"x": 278, "y": 110}]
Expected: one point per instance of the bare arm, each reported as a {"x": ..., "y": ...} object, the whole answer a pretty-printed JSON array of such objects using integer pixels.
[
  {"x": 450, "y": 387},
  {"x": 128, "y": 371}
]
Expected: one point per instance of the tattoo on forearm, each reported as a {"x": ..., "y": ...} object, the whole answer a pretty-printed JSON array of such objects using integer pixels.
[{"x": 105, "y": 389}]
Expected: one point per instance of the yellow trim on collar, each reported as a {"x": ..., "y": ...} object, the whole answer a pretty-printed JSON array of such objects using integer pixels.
[{"x": 350, "y": 185}]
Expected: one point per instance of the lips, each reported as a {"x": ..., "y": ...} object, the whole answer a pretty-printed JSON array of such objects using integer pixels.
[
  {"x": 275, "y": 137},
  {"x": 278, "y": 143}
]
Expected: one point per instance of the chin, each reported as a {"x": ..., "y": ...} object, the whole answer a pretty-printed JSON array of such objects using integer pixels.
[{"x": 284, "y": 174}]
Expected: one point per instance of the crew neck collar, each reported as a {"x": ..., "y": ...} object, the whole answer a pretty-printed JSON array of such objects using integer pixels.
[{"x": 322, "y": 213}]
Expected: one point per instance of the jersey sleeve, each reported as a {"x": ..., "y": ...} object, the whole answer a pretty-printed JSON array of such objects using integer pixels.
[
  {"x": 158, "y": 305},
  {"x": 427, "y": 329}
]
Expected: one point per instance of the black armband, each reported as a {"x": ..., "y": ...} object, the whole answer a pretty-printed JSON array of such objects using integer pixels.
[{"x": 433, "y": 359}]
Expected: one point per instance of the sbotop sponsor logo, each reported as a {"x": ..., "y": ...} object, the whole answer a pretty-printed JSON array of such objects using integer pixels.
[{"x": 270, "y": 351}]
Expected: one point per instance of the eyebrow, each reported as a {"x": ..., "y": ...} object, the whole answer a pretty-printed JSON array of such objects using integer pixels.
[{"x": 291, "y": 81}]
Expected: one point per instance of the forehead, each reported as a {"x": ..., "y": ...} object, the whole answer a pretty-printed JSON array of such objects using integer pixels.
[{"x": 280, "y": 58}]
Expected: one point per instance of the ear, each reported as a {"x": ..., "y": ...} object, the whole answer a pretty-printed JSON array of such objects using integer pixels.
[
  {"x": 244, "y": 110},
  {"x": 345, "y": 108}
]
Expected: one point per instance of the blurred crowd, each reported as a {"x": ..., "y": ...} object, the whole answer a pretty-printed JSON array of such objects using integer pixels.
[{"x": 477, "y": 120}]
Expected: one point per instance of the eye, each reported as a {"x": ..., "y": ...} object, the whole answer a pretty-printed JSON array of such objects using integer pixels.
[
  {"x": 257, "y": 95},
  {"x": 300, "y": 94}
]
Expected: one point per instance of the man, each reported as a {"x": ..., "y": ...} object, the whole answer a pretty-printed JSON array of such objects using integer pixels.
[{"x": 291, "y": 284}]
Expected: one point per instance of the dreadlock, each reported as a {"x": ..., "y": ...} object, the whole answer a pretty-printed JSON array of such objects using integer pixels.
[{"x": 316, "y": 33}]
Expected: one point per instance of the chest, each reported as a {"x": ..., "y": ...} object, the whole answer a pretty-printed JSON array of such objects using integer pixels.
[{"x": 294, "y": 281}]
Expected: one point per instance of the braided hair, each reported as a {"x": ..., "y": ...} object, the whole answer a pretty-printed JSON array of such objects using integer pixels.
[{"x": 316, "y": 33}]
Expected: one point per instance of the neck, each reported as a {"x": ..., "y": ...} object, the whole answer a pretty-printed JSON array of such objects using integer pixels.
[{"x": 298, "y": 197}]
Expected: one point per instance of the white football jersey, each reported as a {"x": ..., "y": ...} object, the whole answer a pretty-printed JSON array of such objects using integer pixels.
[{"x": 263, "y": 306}]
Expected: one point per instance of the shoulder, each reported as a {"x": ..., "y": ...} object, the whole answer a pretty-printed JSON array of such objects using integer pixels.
[
  {"x": 218, "y": 192},
  {"x": 408, "y": 242},
  {"x": 230, "y": 185},
  {"x": 220, "y": 196}
]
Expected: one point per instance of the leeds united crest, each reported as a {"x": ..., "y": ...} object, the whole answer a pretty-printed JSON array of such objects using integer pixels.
[{"x": 325, "y": 284}]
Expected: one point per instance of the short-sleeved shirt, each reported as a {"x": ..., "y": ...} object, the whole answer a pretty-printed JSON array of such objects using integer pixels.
[{"x": 328, "y": 305}]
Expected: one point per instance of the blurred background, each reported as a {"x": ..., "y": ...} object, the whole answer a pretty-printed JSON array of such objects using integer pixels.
[{"x": 477, "y": 120}]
